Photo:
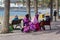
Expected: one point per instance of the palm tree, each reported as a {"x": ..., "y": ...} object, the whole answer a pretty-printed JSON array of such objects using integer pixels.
[
  {"x": 28, "y": 7},
  {"x": 6, "y": 17},
  {"x": 36, "y": 6}
]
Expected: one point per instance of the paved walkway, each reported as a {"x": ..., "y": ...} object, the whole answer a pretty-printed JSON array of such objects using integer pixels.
[
  {"x": 53, "y": 34},
  {"x": 42, "y": 35}
]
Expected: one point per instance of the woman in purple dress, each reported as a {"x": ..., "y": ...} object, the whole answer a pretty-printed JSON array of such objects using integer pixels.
[{"x": 26, "y": 20}]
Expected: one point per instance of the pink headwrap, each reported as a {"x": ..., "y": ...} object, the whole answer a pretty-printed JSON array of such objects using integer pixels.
[{"x": 34, "y": 20}]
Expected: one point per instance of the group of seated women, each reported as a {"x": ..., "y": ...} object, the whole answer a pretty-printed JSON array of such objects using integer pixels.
[{"x": 31, "y": 25}]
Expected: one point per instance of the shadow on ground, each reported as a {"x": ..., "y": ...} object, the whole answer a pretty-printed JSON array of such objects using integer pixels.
[{"x": 55, "y": 30}]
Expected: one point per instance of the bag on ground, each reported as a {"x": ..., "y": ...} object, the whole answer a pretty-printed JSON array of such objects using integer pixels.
[{"x": 11, "y": 28}]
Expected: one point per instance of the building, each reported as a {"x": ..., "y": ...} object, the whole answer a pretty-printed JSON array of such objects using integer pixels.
[
  {"x": 13, "y": 3},
  {"x": 1, "y": 3}
]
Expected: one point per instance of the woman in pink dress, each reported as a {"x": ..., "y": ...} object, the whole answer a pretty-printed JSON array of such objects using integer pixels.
[{"x": 34, "y": 23}]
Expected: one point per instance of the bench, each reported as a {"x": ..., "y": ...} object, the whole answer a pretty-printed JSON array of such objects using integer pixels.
[
  {"x": 18, "y": 22},
  {"x": 43, "y": 23},
  {"x": 47, "y": 23}
]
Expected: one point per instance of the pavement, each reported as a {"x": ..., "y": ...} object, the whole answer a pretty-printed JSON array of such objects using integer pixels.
[
  {"x": 41, "y": 35},
  {"x": 53, "y": 34}
]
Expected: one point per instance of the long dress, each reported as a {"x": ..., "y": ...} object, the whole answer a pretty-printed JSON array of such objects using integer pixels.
[
  {"x": 32, "y": 26},
  {"x": 26, "y": 21},
  {"x": 35, "y": 24},
  {"x": 25, "y": 24}
]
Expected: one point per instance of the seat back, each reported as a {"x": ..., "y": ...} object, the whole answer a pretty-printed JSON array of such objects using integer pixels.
[{"x": 16, "y": 21}]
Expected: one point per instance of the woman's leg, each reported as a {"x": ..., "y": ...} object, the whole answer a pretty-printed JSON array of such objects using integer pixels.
[
  {"x": 37, "y": 27},
  {"x": 22, "y": 29},
  {"x": 43, "y": 27}
]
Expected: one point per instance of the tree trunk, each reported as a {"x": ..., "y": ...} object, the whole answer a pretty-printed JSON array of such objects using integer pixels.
[
  {"x": 23, "y": 2},
  {"x": 36, "y": 6},
  {"x": 42, "y": 1},
  {"x": 5, "y": 28},
  {"x": 57, "y": 7},
  {"x": 28, "y": 7},
  {"x": 51, "y": 9}
]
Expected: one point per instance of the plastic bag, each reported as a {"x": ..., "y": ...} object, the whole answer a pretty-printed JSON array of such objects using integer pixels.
[{"x": 11, "y": 28}]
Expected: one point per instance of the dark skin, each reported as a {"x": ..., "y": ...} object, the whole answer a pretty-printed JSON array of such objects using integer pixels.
[
  {"x": 27, "y": 16},
  {"x": 36, "y": 16}
]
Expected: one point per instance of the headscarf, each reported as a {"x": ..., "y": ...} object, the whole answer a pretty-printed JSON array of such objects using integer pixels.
[{"x": 16, "y": 16}]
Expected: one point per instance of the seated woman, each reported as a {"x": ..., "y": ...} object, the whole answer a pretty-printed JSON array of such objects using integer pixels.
[
  {"x": 42, "y": 23},
  {"x": 35, "y": 23},
  {"x": 16, "y": 18},
  {"x": 48, "y": 18},
  {"x": 26, "y": 20}
]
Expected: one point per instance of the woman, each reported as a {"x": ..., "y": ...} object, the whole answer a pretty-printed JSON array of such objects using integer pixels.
[
  {"x": 16, "y": 18},
  {"x": 35, "y": 23},
  {"x": 26, "y": 20},
  {"x": 48, "y": 18}
]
